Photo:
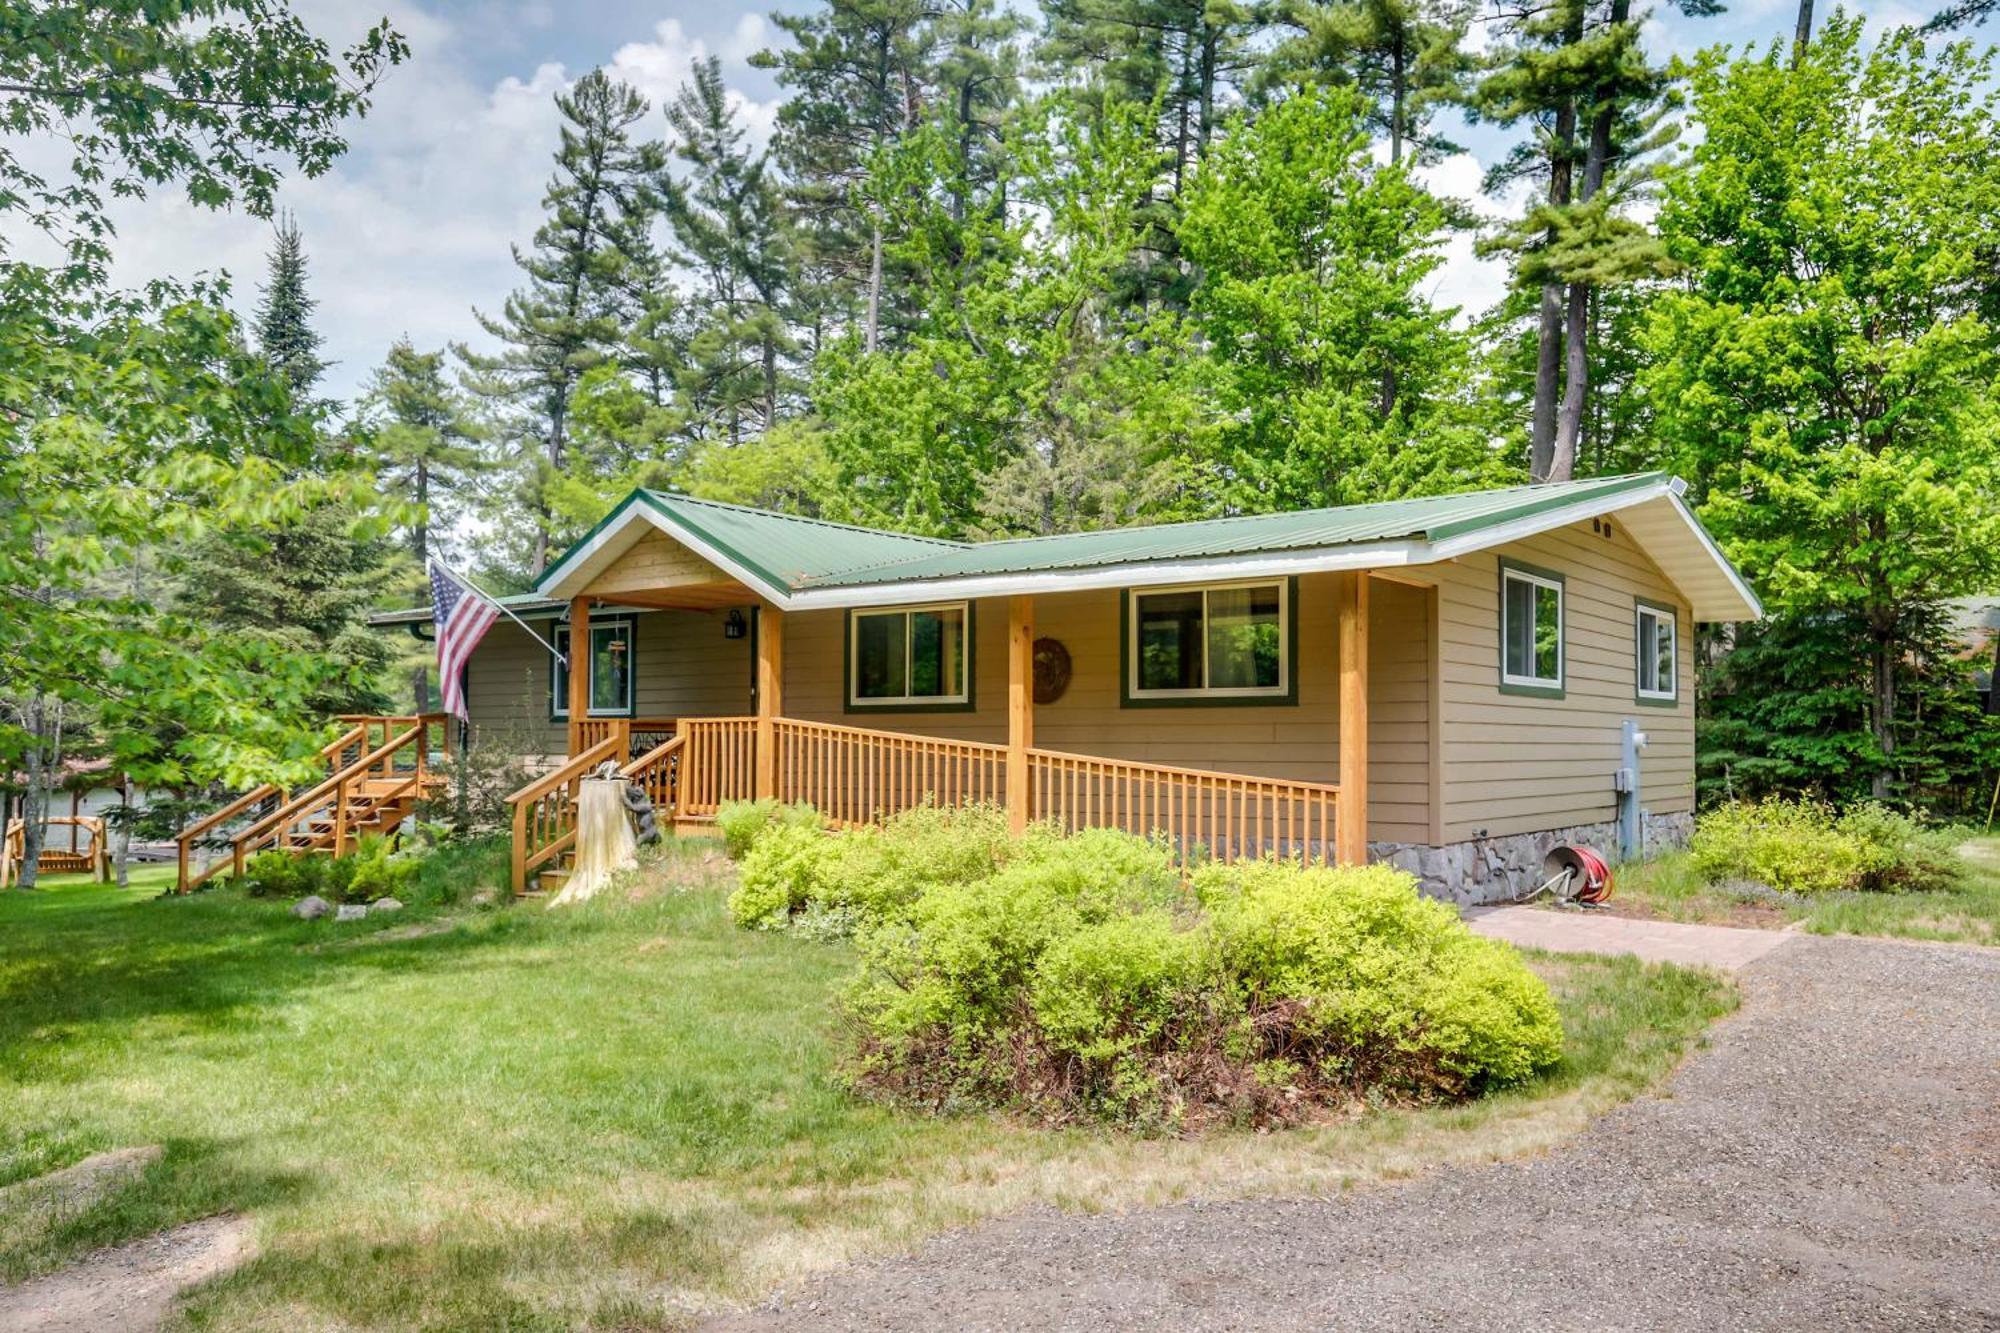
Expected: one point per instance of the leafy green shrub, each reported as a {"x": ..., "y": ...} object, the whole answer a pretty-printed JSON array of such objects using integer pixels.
[
  {"x": 1795, "y": 846},
  {"x": 1079, "y": 979},
  {"x": 1805, "y": 847},
  {"x": 1390, "y": 988},
  {"x": 1899, "y": 854},
  {"x": 373, "y": 870},
  {"x": 741, "y": 823},
  {"x": 779, "y": 874}
]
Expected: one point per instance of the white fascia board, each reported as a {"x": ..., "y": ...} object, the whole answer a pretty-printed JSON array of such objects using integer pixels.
[
  {"x": 1379, "y": 554},
  {"x": 1534, "y": 525},
  {"x": 551, "y": 583}
]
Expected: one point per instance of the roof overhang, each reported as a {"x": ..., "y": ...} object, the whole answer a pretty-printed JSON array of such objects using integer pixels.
[{"x": 1656, "y": 516}]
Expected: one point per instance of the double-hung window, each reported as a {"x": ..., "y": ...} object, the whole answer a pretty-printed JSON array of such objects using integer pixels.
[
  {"x": 1221, "y": 643},
  {"x": 611, "y": 671},
  {"x": 1531, "y": 630},
  {"x": 912, "y": 657},
  {"x": 1656, "y": 644}
]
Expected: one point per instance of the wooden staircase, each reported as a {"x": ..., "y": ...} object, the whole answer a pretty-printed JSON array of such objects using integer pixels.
[{"x": 377, "y": 771}]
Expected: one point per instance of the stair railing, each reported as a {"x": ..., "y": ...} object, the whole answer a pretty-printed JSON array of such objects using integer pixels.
[
  {"x": 271, "y": 828},
  {"x": 545, "y": 810},
  {"x": 188, "y": 875}
]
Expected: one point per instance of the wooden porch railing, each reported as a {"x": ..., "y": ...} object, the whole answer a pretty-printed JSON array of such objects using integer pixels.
[
  {"x": 719, "y": 764},
  {"x": 639, "y": 734},
  {"x": 855, "y": 775},
  {"x": 545, "y": 811},
  {"x": 1228, "y": 816}
]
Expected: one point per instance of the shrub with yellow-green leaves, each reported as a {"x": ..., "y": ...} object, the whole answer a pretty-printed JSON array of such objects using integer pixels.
[
  {"x": 1805, "y": 846},
  {"x": 1077, "y": 976}
]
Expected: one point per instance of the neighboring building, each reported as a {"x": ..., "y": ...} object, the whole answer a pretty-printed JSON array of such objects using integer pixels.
[{"x": 1488, "y": 650}]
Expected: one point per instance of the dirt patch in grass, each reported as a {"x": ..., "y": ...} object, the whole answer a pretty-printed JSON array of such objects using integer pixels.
[{"x": 130, "y": 1287}]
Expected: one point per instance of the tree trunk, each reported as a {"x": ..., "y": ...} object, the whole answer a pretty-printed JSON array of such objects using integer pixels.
[
  {"x": 421, "y": 535},
  {"x": 1882, "y": 687},
  {"x": 1398, "y": 98},
  {"x": 1548, "y": 345},
  {"x": 121, "y": 837},
  {"x": 1576, "y": 379},
  {"x": 1802, "y": 34},
  {"x": 43, "y": 762},
  {"x": 420, "y": 687},
  {"x": 874, "y": 283}
]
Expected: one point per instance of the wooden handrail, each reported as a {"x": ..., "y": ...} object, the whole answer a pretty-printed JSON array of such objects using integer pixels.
[
  {"x": 298, "y": 805},
  {"x": 545, "y": 811},
  {"x": 854, "y": 775},
  {"x": 1230, "y": 816},
  {"x": 185, "y": 840}
]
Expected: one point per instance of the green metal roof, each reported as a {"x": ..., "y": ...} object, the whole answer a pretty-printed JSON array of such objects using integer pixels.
[
  {"x": 789, "y": 551},
  {"x": 1432, "y": 518}
]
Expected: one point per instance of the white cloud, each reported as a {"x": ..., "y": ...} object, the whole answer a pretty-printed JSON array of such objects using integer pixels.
[{"x": 413, "y": 227}]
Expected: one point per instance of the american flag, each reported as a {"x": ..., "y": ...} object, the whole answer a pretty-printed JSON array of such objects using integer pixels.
[{"x": 461, "y": 615}]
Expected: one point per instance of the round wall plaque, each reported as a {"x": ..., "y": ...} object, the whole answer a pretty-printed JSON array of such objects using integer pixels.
[{"x": 1051, "y": 670}]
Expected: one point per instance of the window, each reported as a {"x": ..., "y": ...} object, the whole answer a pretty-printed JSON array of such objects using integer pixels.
[
  {"x": 911, "y": 657},
  {"x": 611, "y": 673},
  {"x": 1654, "y": 645},
  {"x": 1531, "y": 631},
  {"x": 1228, "y": 641}
]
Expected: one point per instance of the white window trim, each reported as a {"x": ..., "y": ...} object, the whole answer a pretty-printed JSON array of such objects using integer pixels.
[
  {"x": 1281, "y": 690},
  {"x": 1511, "y": 573},
  {"x": 854, "y": 699},
  {"x": 559, "y": 698},
  {"x": 1671, "y": 620}
]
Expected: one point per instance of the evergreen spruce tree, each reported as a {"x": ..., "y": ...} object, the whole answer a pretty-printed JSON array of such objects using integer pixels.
[
  {"x": 285, "y": 334},
  {"x": 572, "y": 312}
]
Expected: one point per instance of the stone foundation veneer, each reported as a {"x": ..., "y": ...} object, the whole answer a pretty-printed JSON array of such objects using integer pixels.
[{"x": 1491, "y": 870}]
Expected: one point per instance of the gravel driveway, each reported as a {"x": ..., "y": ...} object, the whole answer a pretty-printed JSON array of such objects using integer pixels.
[{"x": 1831, "y": 1161}]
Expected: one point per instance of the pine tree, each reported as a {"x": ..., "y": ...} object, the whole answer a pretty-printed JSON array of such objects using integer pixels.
[
  {"x": 859, "y": 73},
  {"x": 424, "y": 443},
  {"x": 729, "y": 228},
  {"x": 285, "y": 334},
  {"x": 575, "y": 306},
  {"x": 1406, "y": 56}
]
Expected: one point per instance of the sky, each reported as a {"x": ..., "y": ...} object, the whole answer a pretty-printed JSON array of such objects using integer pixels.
[{"x": 412, "y": 229}]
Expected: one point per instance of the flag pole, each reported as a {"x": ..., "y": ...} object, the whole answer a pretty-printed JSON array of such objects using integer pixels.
[{"x": 497, "y": 606}]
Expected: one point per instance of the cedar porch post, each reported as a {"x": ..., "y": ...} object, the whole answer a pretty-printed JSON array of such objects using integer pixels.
[
  {"x": 1020, "y": 707},
  {"x": 1351, "y": 617},
  {"x": 579, "y": 671},
  {"x": 770, "y": 695}
]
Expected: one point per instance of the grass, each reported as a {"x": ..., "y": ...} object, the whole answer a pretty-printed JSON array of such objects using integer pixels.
[
  {"x": 1669, "y": 887},
  {"x": 608, "y": 1117}
]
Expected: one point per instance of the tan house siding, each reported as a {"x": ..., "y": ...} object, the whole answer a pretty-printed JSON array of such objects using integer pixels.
[
  {"x": 686, "y": 667},
  {"x": 655, "y": 562},
  {"x": 1516, "y": 764},
  {"x": 1298, "y": 741}
]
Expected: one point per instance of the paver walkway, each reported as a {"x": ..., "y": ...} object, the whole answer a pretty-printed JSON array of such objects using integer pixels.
[
  {"x": 1829, "y": 1161},
  {"x": 1579, "y": 931}
]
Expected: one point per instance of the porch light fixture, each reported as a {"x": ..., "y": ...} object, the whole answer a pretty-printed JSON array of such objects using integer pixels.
[{"x": 735, "y": 627}]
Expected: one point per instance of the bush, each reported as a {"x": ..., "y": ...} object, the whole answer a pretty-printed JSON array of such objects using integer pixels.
[
  {"x": 1386, "y": 987},
  {"x": 779, "y": 874},
  {"x": 1078, "y": 979},
  {"x": 741, "y": 823},
  {"x": 1805, "y": 847}
]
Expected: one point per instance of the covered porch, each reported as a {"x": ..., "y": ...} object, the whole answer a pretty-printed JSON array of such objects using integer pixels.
[{"x": 1088, "y": 757}]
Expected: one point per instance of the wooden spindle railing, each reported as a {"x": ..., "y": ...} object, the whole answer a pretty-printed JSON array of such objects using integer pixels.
[
  {"x": 637, "y": 734},
  {"x": 1225, "y": 816},
  {"x": 855, "y": 775},
  {"x": 719, "y": 764},
  {"x": 545, "y": 811}
]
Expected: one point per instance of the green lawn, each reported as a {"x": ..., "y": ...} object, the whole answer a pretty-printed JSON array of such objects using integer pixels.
[
  {"x": 1669, "y": 887},
  {"x": 605, "y": 1117}
]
